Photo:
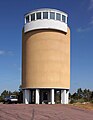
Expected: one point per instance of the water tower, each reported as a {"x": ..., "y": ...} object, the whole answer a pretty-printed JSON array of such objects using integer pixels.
[{"x": 46, "y": 57}]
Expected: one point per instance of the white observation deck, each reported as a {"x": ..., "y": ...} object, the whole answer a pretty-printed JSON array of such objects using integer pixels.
[{"x": 46, "y": 19}]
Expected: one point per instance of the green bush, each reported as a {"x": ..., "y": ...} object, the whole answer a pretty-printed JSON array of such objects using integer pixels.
[
  {"x": 91, "y": 101},
  {"x": 1, "y": 99},
  {"x": 81, "y": 100},
  {"x": 72, "y": 101}
]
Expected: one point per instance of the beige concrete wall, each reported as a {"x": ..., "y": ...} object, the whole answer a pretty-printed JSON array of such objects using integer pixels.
[{"x": 46, "y": 59}]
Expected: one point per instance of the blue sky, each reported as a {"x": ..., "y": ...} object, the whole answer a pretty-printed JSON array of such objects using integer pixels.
[{"x": 80, "y": 21}]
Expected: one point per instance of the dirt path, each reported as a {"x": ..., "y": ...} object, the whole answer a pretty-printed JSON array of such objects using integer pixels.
[{"x": 43, "y": 112}]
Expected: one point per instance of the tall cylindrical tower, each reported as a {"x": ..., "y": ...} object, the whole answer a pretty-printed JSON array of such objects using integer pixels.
[{"x": 46, "y": 57}]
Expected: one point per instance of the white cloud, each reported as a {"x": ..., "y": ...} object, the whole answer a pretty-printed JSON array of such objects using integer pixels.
[
  {"x": 91, "y": 22},
  {"x": 2, "y": 52},
  {"x": 91, "y": 5},
  {"x": 83, "y": 29},
  {"x": 10, "y": 53}
]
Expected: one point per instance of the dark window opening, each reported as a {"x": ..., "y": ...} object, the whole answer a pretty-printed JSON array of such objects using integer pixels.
[
  {"x": 32, "y": 16},
  {"x": 45, "y": 96},
  {"x": 45, "y": 15},
  {"x": 58, "y": 16},
  {"x": 38, "y": 15},
  {"x": 27, "y": 19},
  {"x": 52, "y": 15},
  {"x": 63, "y": 18}
]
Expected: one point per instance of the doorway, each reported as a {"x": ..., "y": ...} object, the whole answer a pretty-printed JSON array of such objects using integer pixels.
[
  {"x": 57, "y": 96},
  {"x": 44, "y": 96}
]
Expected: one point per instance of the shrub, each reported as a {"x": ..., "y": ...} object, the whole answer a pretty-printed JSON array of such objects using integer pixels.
[{"x": 72, "y": 101}]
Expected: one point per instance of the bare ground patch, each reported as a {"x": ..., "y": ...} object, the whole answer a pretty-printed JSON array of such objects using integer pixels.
[{"x": 43, "y": 112}]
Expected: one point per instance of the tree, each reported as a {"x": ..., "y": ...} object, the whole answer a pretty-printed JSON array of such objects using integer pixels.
[
  {"x": 87, "y": 95},
  {"x": 5, "y": 93},
  {"x": 74, "y": 96},
  {"x": 79, "y": 93}
]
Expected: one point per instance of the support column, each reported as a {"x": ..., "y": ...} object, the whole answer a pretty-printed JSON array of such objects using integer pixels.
[
  {"x": 26, "y": 97},
  {"x": 63, "y": 97},
  {"x": 37, "y": 96},
  {"x": 23, "y": 96},
  {"x": 67, "y": 96},
  {"x": 52, "y": 96}
]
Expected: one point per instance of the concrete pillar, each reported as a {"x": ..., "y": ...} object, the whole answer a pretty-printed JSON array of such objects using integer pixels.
[
  {"x": 67, "y": 96},
  {"x": 23, "y": 96},
  {"x": 63, "y": 97},
  {"x": 52, "y": 96},
  {"x": 37, "y": 96},
  {"x": 26, "y": 97},
  {"x": 64, "y": 94}
]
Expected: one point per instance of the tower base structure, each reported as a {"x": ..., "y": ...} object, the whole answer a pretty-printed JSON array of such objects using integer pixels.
[{"x": 46, "y": 96}]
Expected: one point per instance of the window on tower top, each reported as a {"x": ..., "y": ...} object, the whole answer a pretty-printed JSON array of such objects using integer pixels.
[
  {"x": 38, "y": 15},
  {"x": 45, "y": 15},
  {"x": 64, "y": 18},
  {"x": 33, "y": 17},
  {"x": 58, "y": 16},
  {"x": 27, "y": 19},
  {"x": 52, "y": 15}
]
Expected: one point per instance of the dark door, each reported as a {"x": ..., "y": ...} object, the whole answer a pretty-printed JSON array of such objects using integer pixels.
[{"x": 45, "y": 95}]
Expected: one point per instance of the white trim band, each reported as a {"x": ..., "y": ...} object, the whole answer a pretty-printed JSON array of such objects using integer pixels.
[{"x": 45, "y": 24}]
